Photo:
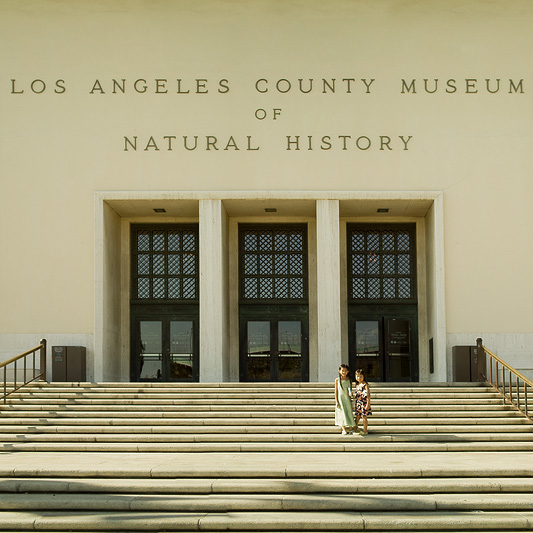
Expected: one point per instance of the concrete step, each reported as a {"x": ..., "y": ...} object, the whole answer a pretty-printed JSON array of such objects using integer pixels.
[
  {"x": 309, "y": 403},
  {"x": 267, "y": 521},
  {"x": 247, "y": 465},
  {"x": 523, "y": 432},
  {"x": 242, "y": 387},
  {"x": 242, "y": 390},
  {"x": 324, "y": 485},
  {"x": 347, "y": 445},
  {"x": 133, "y": 437},
  {"x": 230, "y": 503},
  {"x": 393, "y": 385},
  {"x": 272, "y": 387},
  {"x": 177, "y": 419},
  {"x": 279, "y": 412},
  {"x": 265, "y": 397},
  {"x": 170, "y": 425}
]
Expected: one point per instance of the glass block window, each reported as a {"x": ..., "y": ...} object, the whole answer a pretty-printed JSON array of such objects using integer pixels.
[
  {"x": 381, "y": 263},
  {"x": 165, "y": 263},
  {"x": 273, "y": 263}
]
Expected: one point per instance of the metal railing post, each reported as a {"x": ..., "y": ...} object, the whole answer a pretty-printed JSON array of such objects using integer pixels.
[
  {"x": 503, "y": 383},
  {"x": 525, "y": 398},
  {"x": 481, "y": 369},
  {"x": 43, "y": 360},
  {"x": 517, "y": 393}
]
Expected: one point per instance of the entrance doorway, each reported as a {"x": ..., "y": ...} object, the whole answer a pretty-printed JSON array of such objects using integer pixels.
[
  {"x": 273, "y": 303},
  {"x": 382, "y": 301},
  {"x": 384, "y": 345},
  {"x": 165, "y": 347},
  {"x": 274, "y": 345},
  {"x": 164, "y": 306}
]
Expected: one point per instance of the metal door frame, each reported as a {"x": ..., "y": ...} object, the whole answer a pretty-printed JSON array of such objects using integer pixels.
[
  {"x": 273, "y": 314},
  {"x": 165, "y": 308},
  {"x": 165, "y": 314},
  {"x": 381, "y": 313}
]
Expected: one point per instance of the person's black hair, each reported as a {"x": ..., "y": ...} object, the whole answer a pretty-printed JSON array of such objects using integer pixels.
[
  {"x": 362, "y": 372},
  {"x": 348, "y": 375}
]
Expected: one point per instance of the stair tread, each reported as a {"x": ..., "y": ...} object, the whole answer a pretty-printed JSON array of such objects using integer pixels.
[
  {"x": 224, "y": 503},
  {"x": 343, "y": 520},
  {"x": 266, "y": 486}
]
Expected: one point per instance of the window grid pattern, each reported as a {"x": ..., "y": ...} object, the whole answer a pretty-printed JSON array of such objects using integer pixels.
[
  {"x": 165, "y": 264},
  {"x": 273, "y": 264},
  {"x": 381, "y": 265}
]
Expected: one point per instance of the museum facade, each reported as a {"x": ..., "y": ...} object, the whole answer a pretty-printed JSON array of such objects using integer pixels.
[{"x": 234, "y": 204}]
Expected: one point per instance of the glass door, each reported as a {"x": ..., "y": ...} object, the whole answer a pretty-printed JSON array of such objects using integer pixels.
[
  {"x": 258, "y": 351},
  {"x": 368, "y": 349},
  {"x": 398, "y": 349},
  {"x": 274, "y": 350},
  {"x": 385, "y": 347},
  {"x": 164, "y": 349},
  {"x": 181, "y": 352},
  {"x": 150, "y": 350},
  {"x": 289, "y": 352}
]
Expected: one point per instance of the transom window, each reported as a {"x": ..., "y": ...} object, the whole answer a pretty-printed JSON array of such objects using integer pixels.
[
  {"x": 165, "y": 263},
  {"x": 381, "y": 263},
  {"x": 273, "y": 263}
]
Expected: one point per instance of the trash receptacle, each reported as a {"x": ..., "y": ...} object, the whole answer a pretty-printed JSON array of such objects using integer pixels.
[
  {"x": 69, "y": 363},
  {"x": 467, "y": 365}
]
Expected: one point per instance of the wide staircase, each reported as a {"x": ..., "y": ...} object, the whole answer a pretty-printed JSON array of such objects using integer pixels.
[{"x": 262, "y": 457}]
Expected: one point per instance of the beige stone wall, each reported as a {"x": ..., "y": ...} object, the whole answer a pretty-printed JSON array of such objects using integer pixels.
[{"x": 59, "y": 143}]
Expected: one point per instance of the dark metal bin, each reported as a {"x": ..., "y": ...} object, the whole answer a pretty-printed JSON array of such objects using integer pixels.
[
  {"x": 69, "y": 363},
  {"x": 467, "y": 365}
]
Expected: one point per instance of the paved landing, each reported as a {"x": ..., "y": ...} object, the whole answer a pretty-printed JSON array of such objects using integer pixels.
[{"x": 394, "y": 464}]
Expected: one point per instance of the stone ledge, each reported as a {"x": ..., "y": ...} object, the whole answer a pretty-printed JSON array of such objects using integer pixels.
[
  {"x": 268, "y": 486},
  {"x": 279, "y": 521},
  {"x": 226, "y": 503},
  {"x": 299, "y": 465}
]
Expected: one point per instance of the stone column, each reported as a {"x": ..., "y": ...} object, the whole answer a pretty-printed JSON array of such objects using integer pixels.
[
  {"x": 214, "y": 310},
  {"x": 439, "y": 293},
  {"x": 328, "y": 288}
]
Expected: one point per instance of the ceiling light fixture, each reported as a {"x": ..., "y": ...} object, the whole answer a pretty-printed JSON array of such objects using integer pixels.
[
  {"x": 383, "y": 210},
  {"x": 270, "y": 210},
  {"x": 160, "y": 210}
]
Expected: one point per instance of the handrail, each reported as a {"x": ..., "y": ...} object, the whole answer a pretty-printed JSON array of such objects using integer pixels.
[
  {"x": 42, "y": 368},
  {"x": 507, "y": 393}
]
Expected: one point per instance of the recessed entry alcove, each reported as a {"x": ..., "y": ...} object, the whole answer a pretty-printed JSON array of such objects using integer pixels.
[{"x": 261, "y": 286}]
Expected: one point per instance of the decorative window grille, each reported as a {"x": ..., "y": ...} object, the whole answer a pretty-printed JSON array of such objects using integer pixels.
[
  {"x": 165, "y": 263},
  {"x": 381, "y": 264},
  {"x": 273, "y": 263}
]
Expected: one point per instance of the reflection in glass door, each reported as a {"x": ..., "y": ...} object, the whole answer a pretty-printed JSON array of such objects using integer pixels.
[
  {"x": 258, "y": 350},
  {"x": 274, "y": 350},
  {"x": 385, "y": 347},
  {"x": 289, "y": 350},
  {"x": 181, "y": 350},
  {"x": 164, "y": 349},
  {"x": 151, "y": 350},
  {"x": 368, "y": 348},
  {"x": 398, "y": 349}
]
